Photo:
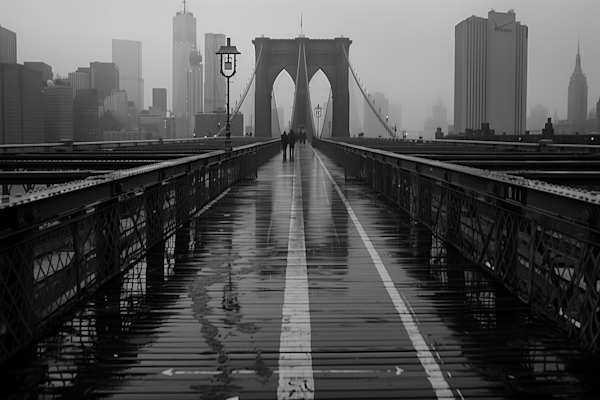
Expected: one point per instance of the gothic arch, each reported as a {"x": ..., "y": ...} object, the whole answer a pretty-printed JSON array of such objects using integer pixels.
[{"x": 302, "y": 58}]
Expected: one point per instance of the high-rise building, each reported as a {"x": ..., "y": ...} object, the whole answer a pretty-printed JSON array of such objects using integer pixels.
[
  {"x": 8, "y": 46},
  {"x": 104, "y": 77},
  {"x": 86, "y": 116},
  {"x": 490, "y": 74},
  {"x": 578, "y": 97},
  {"x": 539, "y": 117},
  {"x": 58, "y": 113},
  {"x": 79, "y": 80},
  {"x": 127, "y": 54},
  {"x": 437, "y": 119},
  {"x": 21, "y": 116},
  {"x": 184, "y": 38},
  {"x": 214, "y": 82},
  {"x": 117, "y": 105},
  {"x": 44, "y": 68},
  {"x": 372, "y": 122},
  {"x": 396, "y": 117},
  {"x": 195, "y": 86},
  {"x": 159, "y": 98}
]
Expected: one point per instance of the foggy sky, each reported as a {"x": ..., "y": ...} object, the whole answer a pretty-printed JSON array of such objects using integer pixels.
[{"x": 402, "y": 48}]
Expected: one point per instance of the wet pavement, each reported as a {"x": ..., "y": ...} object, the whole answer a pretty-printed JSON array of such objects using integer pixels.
[{"x": 285, "y": 289}]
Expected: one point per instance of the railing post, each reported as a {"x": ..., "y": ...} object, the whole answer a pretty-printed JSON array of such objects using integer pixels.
[
  {"x": 153, "y": 207},
  {"x": 17, "y": 304},
  {"x": 505, "y": 239},
  {"x": 108, "y": 246},
  {"x": 182, "y": 201}
]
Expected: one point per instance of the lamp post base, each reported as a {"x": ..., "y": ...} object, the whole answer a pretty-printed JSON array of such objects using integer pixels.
[{"x": 228, "y": 146}]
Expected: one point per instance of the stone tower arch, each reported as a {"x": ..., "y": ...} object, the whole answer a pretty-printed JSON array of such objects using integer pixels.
[{"x": 302, "y": 58}]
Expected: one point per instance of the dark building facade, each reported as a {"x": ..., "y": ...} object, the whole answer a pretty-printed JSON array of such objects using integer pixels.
[
  {"x": 598, "y": 116},
  {"x": 44, "y": 68},
  {"x": 209, "y": 124},
  {"x": 159, "y": 98},
  {"x": 58, "y": 113},
  {"x": 86, "y": 116},
  {"x": 578, "y": 94},
  {"x": 104, "y": 77},
  {"x": 21, "y": 117},
  {"x": 8, "y": 46}
]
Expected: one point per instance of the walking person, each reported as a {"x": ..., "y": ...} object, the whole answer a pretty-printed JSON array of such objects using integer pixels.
[
  {"x": 284, "y": 143},
  {"x": 292, "y": 141}
]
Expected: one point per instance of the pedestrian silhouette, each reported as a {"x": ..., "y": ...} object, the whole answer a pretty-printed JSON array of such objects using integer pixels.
[
  {"x": 292, "y": 141},
  {"x": 284, "y": 143}
]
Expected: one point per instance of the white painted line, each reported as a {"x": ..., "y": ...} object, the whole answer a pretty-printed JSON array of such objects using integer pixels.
[
  {"x": 397, "y": 371},
  {"x": 434, "y": 374},
  {"x": 295, "y": 359}
]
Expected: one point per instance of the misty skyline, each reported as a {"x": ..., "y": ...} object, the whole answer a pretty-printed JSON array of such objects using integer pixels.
[{"x": 404, "y": 49}]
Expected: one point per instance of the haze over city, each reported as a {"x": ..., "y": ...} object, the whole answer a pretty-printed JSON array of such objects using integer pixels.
[{"x": 404, "y": 49}]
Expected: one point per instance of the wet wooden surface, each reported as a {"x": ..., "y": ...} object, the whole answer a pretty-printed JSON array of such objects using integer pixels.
[{"x": 202, "y": 316}]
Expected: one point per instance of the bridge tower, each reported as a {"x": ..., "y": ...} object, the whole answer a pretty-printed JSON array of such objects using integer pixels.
[{"x": 302, "y": 58}]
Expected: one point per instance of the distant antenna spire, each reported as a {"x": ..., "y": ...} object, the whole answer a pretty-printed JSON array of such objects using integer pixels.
[
  {"x": 301, "y": 33},
  {"x": 184, "y": 7},
  {"x": 577, "y": 43}
]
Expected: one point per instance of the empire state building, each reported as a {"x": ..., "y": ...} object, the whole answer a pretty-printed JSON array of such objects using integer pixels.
[
  {"x": 578, "y": 96},
  {"x": 184, "y": 39}
]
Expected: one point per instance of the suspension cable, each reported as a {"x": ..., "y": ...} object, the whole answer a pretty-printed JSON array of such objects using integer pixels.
[
  {"x": 384, "y": 124},
  {"x": 312, "y": 121}
]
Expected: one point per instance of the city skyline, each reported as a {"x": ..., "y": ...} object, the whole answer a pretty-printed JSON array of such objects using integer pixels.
[{"x": 423, "y": 41}]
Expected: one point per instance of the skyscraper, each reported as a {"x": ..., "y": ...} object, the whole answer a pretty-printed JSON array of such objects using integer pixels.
[
  {"x": 490, "y": 74},
  {"x": 116, "y": 104},
  {"x": 104, "y": 77},
  {"x": 8, "y": 46},
  {"x": 159, "y": 98},
  {"x": 58, "y": 113},
  {"x": 44, "y": 68},
  {"x": 127, "y": 54},
  {"x": 86, "y": 115},
  {"x": 184, "y": 38},
  {"x": 79, "y": 80},
  {"x": 214, "y": 82},
  {"x": 539, "y": 117},
  {"x": 195, "y": 86},
  {"x": 578, "y": 97},
  {"x": 598, "y": 116},
  {"x": 438, "y": 119},
  {"x": 372, "y": 124},
  {"x": 21, "y": 116}
]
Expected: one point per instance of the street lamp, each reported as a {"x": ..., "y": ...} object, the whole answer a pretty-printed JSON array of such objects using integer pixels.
[
  {"x": 228, "y": 69},
  {"x": 318, "y": 110}
]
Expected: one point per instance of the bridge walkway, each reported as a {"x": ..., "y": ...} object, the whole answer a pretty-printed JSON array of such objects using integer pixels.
[{"x": 301, "y": 285}]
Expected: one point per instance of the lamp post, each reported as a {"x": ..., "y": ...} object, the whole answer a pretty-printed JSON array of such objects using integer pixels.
[
  {"x": 318, "y": 110},
  {"x": 228, "y": 69}
]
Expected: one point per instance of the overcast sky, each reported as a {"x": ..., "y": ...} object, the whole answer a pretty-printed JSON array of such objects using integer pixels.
[{"x": 402, "y": 48}]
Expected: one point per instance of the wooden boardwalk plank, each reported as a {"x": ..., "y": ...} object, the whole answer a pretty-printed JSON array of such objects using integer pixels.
[{"x": 201, "y": 317}]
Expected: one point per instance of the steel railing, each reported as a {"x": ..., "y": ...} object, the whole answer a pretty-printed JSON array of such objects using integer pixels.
[
  {"x": 61, "y": 244},
  {"x": 540, "y": 240}
]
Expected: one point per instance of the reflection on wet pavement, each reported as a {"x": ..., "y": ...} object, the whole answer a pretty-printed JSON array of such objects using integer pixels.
[{"x": 200, "y": 315}]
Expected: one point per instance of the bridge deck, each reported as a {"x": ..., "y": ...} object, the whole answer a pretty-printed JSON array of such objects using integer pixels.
[{"x": 285, "y": 289}]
